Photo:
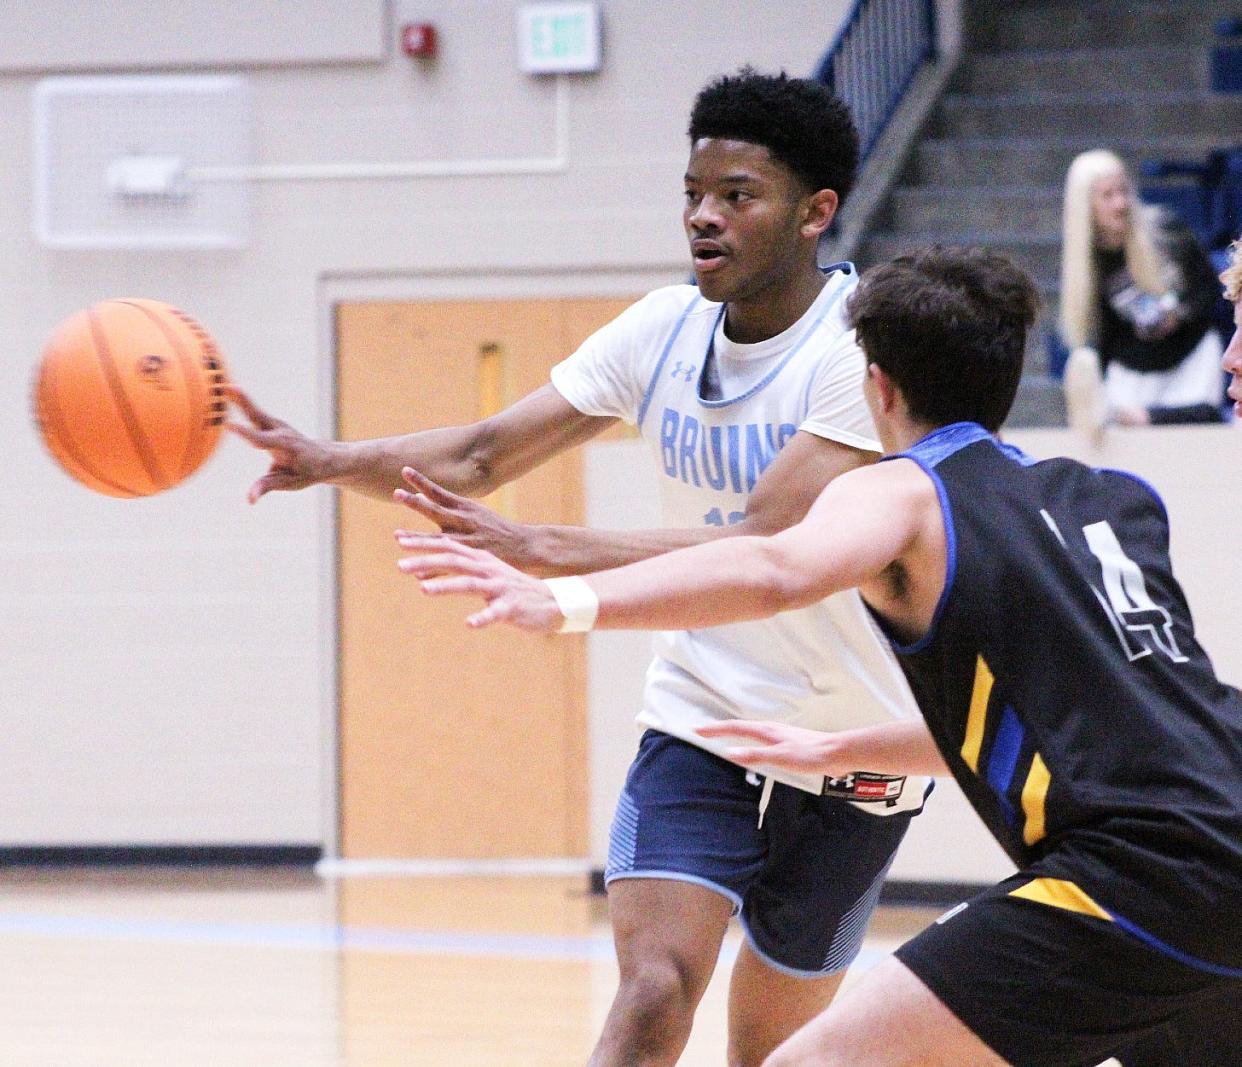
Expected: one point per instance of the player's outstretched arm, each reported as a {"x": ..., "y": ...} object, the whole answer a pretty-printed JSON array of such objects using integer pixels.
[
  {"x": 889, "y": 748},
  {"x": 447, "y": 567},
  {"x": 861, "y": 524},
  {"x": 471, "y": 460},
  {"x": 782, "y": 496}
]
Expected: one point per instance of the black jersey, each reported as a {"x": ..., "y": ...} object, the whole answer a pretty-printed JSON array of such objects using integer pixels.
[{"x": 1063, "y": 683}]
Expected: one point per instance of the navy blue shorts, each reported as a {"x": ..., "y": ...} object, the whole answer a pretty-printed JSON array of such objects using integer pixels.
[{"x": 803, "y": 885}]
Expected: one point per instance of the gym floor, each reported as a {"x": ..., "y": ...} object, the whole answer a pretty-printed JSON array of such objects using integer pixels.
[{"x": 273, "y": 967}]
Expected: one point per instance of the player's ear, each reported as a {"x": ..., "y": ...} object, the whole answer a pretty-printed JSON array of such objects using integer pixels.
[
  {"x": 883, "y": 386},
  {"x": 820, "y": 209}
]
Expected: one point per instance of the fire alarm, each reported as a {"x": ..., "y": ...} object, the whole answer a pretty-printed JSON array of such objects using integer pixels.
[{"x": 418, "y": 40}]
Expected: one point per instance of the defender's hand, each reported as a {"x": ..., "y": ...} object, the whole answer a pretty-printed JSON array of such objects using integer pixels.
[
  {"x": 447, "y": 568},
  {"x": 779, "y": 745},
  {"x": 466, "y": 521}
]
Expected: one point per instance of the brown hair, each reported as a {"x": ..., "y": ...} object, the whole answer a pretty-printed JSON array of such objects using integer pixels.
[{"x": 948, "y": 326}]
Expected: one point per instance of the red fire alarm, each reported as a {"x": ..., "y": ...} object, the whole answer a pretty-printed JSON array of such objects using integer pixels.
[{"x": 418, "y": 40}]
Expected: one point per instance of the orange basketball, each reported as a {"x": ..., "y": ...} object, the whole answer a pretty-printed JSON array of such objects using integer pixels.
[{"x": 129, "y": 396}]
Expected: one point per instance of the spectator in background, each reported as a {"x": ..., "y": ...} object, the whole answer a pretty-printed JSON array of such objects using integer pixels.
[
  {"x": 1137, "y": 293},
  {"x": 1231, "y": 279}
]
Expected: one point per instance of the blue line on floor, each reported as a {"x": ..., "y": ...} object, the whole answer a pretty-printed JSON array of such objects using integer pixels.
[{"x": 585, "y": 948}]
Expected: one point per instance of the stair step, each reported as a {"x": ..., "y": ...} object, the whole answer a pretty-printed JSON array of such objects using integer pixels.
[
  {"x": 1094, "y": 23},
  {"x": 1089, "y": 70},
  {"x": 1195, "y": 114},
  {"x": 1015, "y": 210},
  {"x": 1041, "y": 160},
  {"x": 1038, "y": 255}
]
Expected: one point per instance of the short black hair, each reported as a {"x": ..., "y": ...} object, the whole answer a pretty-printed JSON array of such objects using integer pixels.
[
  {"x": 948, "y": 326},
  {"x": 800, "y": 122}
]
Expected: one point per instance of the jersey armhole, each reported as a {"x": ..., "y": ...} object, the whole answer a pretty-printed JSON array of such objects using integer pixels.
[
  {"x": 841, "y": 437},
  {"x": 950, "y": 552},
  {"x": 645, "y": 402}
]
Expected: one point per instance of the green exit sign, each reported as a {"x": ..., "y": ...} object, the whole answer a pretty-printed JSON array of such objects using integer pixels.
[{"x": 559, "y": 38}]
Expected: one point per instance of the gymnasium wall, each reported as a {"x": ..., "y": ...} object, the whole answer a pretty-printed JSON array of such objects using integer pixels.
[{"x": 169, "y": 664}]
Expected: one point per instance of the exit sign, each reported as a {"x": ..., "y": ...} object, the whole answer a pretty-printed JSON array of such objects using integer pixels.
[{"x": 559, "y": 38}]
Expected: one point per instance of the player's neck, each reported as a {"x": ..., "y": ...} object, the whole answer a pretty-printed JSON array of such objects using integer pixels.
[
  {"x": 899, "y": 434},
  {"x": 750, "y": 321}
]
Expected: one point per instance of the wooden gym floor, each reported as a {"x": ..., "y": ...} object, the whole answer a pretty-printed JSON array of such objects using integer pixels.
[{"x": 123, "y": 968}]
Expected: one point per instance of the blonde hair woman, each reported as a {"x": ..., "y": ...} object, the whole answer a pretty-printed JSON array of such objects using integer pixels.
[{"x": 1137, "y": 294}]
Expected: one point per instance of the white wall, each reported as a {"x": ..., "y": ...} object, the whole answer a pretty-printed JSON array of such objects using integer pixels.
[
  {"x": 58, "y": 36},
  {"x": 169, "y": 663}
]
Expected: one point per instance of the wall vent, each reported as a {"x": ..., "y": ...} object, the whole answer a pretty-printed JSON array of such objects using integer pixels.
[{"x": 114, "y": 159}]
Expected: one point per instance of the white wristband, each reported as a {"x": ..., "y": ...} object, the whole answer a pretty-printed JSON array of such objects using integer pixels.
[{"x": 577, "y": 601}]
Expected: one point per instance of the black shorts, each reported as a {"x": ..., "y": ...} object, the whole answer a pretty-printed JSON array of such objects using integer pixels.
[
  {"x": 1046, "y": 986},
  {"x": 1211, "y": 1034}
]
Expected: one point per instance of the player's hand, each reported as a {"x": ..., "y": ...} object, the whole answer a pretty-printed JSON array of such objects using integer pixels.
[
  {"x": 448, "y": 568},
  {"x": 794, "y": 748},
  {"x": 1131, "y": 416},
  {"x": 466, "y": 521},
  {"x": 1167, "y": 324},
  {"x": 297, "y": 460}
]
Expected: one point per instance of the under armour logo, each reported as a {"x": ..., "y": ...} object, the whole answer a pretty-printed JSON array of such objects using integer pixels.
[{"x": 682, "y": 371}]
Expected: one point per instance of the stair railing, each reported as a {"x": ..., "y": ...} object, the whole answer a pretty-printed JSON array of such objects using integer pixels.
[{"x": 874, "y": 58}]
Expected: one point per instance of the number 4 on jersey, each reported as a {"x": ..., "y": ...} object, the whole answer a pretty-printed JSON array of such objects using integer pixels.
[{"x": 1142, "y": 626}]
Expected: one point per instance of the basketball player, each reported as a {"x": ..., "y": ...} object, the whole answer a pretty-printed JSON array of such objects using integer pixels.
[
  {"x": 747, "y": 388},
  {"x": 1033, "y": 608}
]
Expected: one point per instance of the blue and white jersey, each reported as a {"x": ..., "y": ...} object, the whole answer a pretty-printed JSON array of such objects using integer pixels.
[{"x": 824, "y": 667}]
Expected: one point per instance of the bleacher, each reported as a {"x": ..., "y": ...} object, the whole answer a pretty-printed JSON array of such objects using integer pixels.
[
  {"x": 1158, "y": 81},
  {"x": 1206, "y": 191},
  {"x": 1208, "y": 200}
]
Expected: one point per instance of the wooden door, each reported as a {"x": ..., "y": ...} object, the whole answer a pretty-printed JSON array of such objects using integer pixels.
[{"x": 454, "y": 743}]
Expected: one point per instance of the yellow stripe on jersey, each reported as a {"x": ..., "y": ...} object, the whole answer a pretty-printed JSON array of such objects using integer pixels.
[
  {"x": 1058, "y": 893},
  {"x": 977, "y": 718},
  {"x": 1034, "y": 793}
]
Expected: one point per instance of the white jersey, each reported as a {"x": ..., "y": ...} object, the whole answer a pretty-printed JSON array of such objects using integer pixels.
[{"x": 825, "y": 667}]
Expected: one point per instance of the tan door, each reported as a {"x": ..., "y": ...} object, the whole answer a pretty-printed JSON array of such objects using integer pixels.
[{"x": 453, "y": 743}]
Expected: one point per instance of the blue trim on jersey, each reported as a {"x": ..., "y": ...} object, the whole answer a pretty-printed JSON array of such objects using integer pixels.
[
  {"x": 937, "y": 446},
  {"x": 642, "y": 408},
  {"x": 940, "y": 444},
  {"x": 927, "y": 452},
  {"x": 1141, "y": 481},
  {"x": 1003, "y": 762},
  {"x": 844, "y": 267},
  {"x": 950, "y": 551},
  {"x": 1168, "y": 950},
  {"x": 767, "y": 379},
  {"x": 1015, "y": 453}
]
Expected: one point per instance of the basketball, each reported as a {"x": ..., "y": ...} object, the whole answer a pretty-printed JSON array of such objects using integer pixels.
[{"x": 129, "y": 396}]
